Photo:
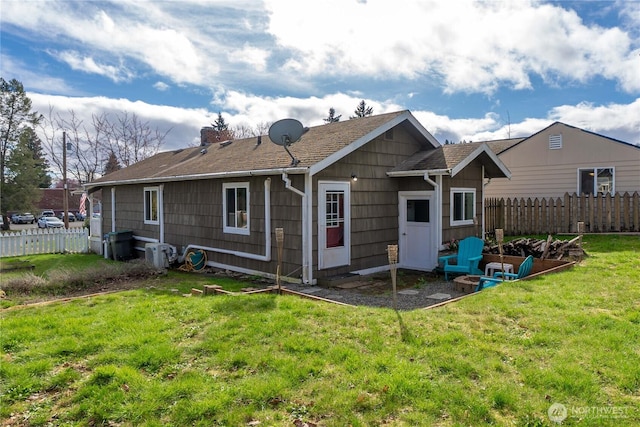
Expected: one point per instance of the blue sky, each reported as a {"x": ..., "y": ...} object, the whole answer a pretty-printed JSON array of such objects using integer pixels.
[{"x": 468, "y": 70}]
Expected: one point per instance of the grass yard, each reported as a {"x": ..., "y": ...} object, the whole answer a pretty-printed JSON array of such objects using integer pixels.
[{"x": 569, "y": 342}]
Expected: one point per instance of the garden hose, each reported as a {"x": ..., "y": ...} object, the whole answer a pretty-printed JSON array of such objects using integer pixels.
[{"x": 194, "y": 261}]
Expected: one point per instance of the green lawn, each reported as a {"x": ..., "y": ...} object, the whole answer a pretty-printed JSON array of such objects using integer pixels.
[{"x": 504, "y": 356}]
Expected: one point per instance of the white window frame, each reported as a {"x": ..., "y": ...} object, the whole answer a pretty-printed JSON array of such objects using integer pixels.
[
  {"x": 233, "y": 228},
  {"x": 148, "y": 210},
  {"x": 595, "y": 189},
  {"x": 464, "y": 191}
]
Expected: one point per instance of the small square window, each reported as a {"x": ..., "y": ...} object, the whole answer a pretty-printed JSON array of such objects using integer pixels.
[
  {"x": 596, "y": 180},
  {"x": 463, "y": 206}
]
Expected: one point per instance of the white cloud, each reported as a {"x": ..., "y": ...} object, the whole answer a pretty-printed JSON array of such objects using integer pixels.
[
  {"x": 161, "y": 86},
  {"x": 490, "y": 44},
  {"x": 16, "y": 69},
  {"x": 125, "y": 35},
  {"x": 88, "y": 65},
  {"x": 614, "y": 120},
  {"x": 184, "y": 123},
  {"x": 255, "y": 57}
]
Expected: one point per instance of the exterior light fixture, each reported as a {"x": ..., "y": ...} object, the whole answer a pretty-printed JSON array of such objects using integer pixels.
[{"x": 354, "y": 177}]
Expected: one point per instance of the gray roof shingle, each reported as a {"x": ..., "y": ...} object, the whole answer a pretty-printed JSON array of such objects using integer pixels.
[{"x": 245, "y": 155}]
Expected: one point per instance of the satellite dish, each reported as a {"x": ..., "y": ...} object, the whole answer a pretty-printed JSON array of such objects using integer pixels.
[{"x": 285, "y": 132}]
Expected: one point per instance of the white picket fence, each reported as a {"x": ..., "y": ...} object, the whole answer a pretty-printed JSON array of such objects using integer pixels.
[{"x": 44, "y": 241}]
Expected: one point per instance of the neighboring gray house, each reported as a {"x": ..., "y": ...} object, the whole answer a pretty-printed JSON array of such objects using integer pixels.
[
  {"x": 359, "y": 185},
  {"x": 564, "y": 159}
]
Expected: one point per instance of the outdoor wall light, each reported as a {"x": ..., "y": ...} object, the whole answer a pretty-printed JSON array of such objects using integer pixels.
[{"x": 354, "y": 177}]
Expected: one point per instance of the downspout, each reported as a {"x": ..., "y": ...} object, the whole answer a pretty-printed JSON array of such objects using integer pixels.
[
  {"x": 484, "y": 185},
  {"x": 307, "y": 258},
  {"x": 306, "y": 226},
  {"x": 438, "y": 190},
  {"x": 267, "y": 233},
  {"x": 161, "y": 211},
  {"x": 113, "y": 209},
  {"x": 105, "y": 242}
]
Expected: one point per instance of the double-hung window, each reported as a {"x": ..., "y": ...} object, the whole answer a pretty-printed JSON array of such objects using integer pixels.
[
  {"x": 463, "y": 206},
  {"x": 596, "y": 180},
  {"x": 151, "y": 205},
  {"x": 235, "y": 206}
]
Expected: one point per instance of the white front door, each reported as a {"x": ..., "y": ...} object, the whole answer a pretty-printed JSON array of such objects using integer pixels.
[
  {"x": 334, "y": 224},
  {"x": 417, "y": 222}
]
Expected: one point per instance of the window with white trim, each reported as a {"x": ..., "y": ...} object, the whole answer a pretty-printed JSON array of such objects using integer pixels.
[
  {"x": 235, "y": 207},
  {"x": 463, "y": 206},
  {"x": 596, "y": 180},
  {"x": 151, "y": 206}
]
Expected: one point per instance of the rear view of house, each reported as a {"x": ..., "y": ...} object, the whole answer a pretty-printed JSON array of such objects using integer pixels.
[{"x": 341, "y": 194}]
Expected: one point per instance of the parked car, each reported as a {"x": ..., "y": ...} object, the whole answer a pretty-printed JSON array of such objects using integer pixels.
[
  {"x": 47, "y": 212},
  {"x": 72, "y": 217},
  {"x": 79, "y": 216},
  {"x": 23, "y": 218},
  {"x": 50, "y": 222}
]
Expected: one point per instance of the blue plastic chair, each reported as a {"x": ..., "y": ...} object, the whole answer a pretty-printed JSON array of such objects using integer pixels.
[
  {"x": 467, "y": 259},
  {"x": 499, "y": 276}
]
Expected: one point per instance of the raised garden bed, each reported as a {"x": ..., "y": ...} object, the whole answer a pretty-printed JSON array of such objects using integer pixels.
[{"x": 540, "y": 266}]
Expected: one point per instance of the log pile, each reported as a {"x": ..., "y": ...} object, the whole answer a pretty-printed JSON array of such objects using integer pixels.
[{"x": 544, "y": 249}]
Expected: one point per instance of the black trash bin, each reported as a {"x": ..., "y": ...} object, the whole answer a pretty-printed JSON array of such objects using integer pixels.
[{"x": 121, "y": 243}]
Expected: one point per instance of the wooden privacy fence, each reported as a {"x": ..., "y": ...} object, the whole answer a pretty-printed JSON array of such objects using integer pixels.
[
  {"x": 600, "y": 214},
  {"x": 45, "y": 241}
]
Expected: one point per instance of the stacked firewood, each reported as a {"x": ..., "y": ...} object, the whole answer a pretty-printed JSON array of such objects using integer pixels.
[{"x": 544, "y": 249}]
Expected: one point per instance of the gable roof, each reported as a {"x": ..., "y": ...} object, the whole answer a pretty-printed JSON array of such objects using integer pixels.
[
  {"x": 500, "y": 145},
  {"x": 318, "y": 148},
  {"x": 504, "y": 145},
  {"x": 450, "y": 159}
]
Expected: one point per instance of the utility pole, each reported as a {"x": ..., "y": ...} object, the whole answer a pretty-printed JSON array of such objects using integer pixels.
[{"x": 65, "y": 191}]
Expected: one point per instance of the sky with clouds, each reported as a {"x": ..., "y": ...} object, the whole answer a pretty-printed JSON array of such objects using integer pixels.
[{"x": 468, "y": 70}]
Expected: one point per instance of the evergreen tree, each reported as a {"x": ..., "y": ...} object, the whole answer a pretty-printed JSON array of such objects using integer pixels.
[
  {"x": 15, "y": 117},
  {"x": 362, "y": 110},
  {"x": 112, "y": 164},
  {"x": 41, "y": 163},
  {"x": 23, "y": 174},
  {"x": 332, "y": 118},
  {"x": 221, "y": 129}
]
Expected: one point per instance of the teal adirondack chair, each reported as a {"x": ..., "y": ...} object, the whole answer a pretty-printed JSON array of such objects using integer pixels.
[
  {"x": 499, "y": 276},
  {"x": 467, "y": 259}
]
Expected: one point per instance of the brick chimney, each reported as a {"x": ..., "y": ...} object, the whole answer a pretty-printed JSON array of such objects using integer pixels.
[{"x": 207, "y": 136}]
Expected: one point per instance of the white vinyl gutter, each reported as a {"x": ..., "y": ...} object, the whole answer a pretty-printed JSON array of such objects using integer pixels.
[
  {"x": 307, "y": 272},
  {"x": 438, "y": 189},
  {"x": 113, "y": 209},
  {"x": 161, "y": 211},
  {"x": 432, "y": 172},
  {"x": 267, "y": 234},
  {"x": 484, "y": 185},
  {"x": 195, "y": 177}
]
